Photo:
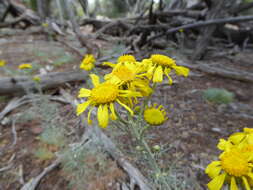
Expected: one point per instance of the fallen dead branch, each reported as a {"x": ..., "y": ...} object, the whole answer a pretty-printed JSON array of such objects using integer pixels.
[
  {"x": 9, "y": 166},
  {"x": 229, "y": 20},
  {"x": 13, "y": 104},
  {"x": 16, "y": 102},
  {"x": 218, "y": 71},
  {"x": 32, "y": 183},
  {"x": 19, "y": 84},
  {"x": 14, "y": 132},
  {"x": 14, "y": 21},
  {"x": 30, "y": 17}
]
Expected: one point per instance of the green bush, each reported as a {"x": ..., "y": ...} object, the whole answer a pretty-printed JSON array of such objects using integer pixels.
[{"x": 219, "y": 96}]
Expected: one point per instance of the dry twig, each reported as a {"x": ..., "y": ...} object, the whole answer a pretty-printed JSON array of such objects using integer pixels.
[
  {"x": 32, "y": 183},
  {"x": 230, "y": 20}
]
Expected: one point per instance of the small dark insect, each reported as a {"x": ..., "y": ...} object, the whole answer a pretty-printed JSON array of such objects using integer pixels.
[{"x": 13, "y": 80}]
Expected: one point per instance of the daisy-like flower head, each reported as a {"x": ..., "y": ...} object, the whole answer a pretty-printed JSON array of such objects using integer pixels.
[
  {"x": 155, "y": 115},
  {"x": 126, "y": 58},
  {"x": 88, "y": 62},
  {"x": 2, "y": 63},
  {"x": 25, "y": 66},
  {"x": 162, "y": 65},
  {"x": 103, "y": 97},
  {"x": 36, "y": 78},
  {"x": 130, "y": 76},
  {"x": 235, "y": 166},
  {"x": 163, "y": 60}
]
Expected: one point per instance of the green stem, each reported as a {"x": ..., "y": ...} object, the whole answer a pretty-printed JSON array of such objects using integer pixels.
[{"x": 141, "y": 140}]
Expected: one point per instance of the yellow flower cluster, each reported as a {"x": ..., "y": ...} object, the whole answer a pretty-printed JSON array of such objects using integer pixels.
[
  {"x": 235, "y": 164},
  {"x": 25, "y": 66},
  {"x": 88, "y": 62},
  {"x": 128, "y": 81},
  {"x": 2, "y": 63}
]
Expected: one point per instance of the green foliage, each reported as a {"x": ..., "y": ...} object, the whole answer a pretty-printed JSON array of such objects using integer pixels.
[
  {"x": 116, "y": 49},
  {"x": 219, "y": 96},
  {"x": 62, "y": 57},
  {"x": 53, "y": 136},
  {"x": 113, "y": 8},
  {"x": 3, "y": 99},
  {"x": 62, "y": 60},
  {"x": 44, "y": 154},
  {"x": 82, "y": 163}
]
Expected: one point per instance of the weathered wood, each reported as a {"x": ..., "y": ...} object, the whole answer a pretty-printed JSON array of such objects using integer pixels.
[
  {"x": 13, "y": 22},
  {"x": 230, "y": 20},
  {"x": 92, "y": 48},
  {"x": 21, "y": 84},
  {"x": 43, "y": 8},
  {"x": 17, "y": 10},
  {"x": 219, "y": 71},
  {"x": 242, "y": 7},
  {"x": 217, "y": 10}
]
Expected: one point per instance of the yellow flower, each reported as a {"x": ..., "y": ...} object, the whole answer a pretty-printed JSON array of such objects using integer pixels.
[
  {"x": 234, "y": 166},
  {"x": 130, "y": 76},
  {"x": 88, "y": 62},
  {"x": 154, "y": 115},
  {"x": 25, "y": 66},
  {"x": 2, "y": 63},
  {"x": 162, "y": 65},
  {"x": 126, "y": 58},
  {"x": 37, "y": 78},
  {"x": 44, "y": 24},
  {"x": 103, "y": 97}
]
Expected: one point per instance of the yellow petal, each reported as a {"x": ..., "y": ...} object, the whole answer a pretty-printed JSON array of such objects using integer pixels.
[
  {"x": 150, "y": 72},
  {"x": 88, "y": 119},
  {"x": 233, "y": 185},
  {"x": 84, "y": 93},
  {"x": 217, "y": 182},
  {"x": 82, "y": 107},
  {"x": 126, "y": 107},
  {"x": 250, "y": 175},
  {"x": 167, "y": 71},
  {"x": 158, "y": 74},
  {"x": 95, "y": 80},
  {"x": 245, "y": 182},
  {"x": 180, "y": 70},
  {"x": 248, "y": 130},
  {"x": 224, "y": 145},
  {"x": 213, "y": 169},
  {"x": 87, "y": 66},
  {"x": 250, "y": 138},
  {"x": 236, "y": 138},
  {"x": 110, "y": 64},
  {"x": 103, "y": 116},
  {"x": 113, "y": 116}
]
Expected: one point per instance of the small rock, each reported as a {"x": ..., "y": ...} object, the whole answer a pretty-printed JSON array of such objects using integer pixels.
[
  {"x": 215, "y": 129},
  {"x": 5, "y": 121},
  {"x": 43, "y": 71},
  {"x": 36, "y": 130}
]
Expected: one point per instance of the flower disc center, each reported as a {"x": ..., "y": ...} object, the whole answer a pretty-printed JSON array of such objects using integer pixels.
[
  {"x": 104, "y": 93},
  {"x": 235, "y": 163},
  {"x": 154, "y": 116}
]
